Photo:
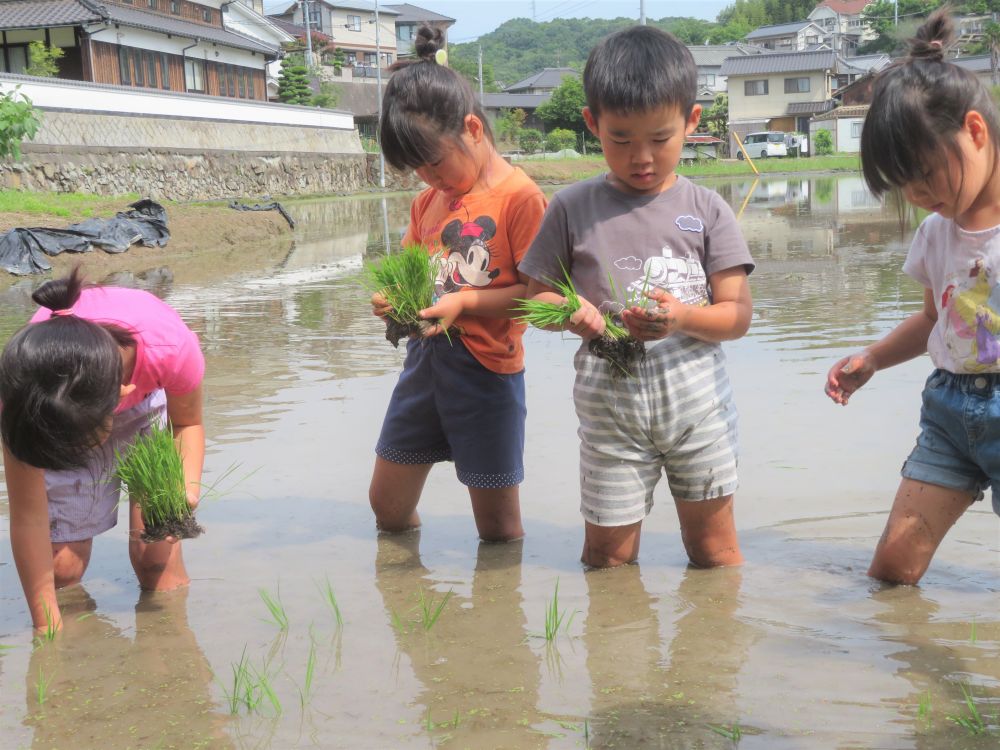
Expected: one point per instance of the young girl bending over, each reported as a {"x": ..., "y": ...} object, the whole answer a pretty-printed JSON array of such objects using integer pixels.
[
  {"x": 78, "y": 383},
  {"x": 460, "y": 397},
  {"x": 934, "y": 133}
]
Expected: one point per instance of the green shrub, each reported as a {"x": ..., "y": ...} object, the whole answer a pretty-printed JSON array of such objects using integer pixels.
[
  {"x": 822, "y": 143},
  {"x": 530, "y": 140},
  {"x": 560, "y": 139}
]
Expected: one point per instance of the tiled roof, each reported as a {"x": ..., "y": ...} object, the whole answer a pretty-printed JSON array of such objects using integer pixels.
[
  {"x": 845, "y": 7},
  {"x": 413, "y": 14},
  {"x": 781, "y": 29},
  {"x": 710, "y": 55},
  {"x": 515, "y": 101},
  {"x": 856, "y": 110},
  {"x": 299, "y": 32},
  {"x": 548, "y": 78},
  {"x": 357, "y": 5},
  {"x": 786, "y": 62},
  {"x": 21, "y": 14},
  {"x": 29, "y": 14},
  {"x": 810, "y": 108},
  {"x": 975, "y": 63}
]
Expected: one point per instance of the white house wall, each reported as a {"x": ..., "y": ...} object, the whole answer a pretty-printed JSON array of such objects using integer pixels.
[
  {"x": 775, "y": 102},
  {"x": 845, "y": 142},
  {"x": 174, "y": 45}
]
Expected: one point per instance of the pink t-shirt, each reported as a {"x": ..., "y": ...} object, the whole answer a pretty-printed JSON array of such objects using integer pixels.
[{"x": 167, "y": 353}]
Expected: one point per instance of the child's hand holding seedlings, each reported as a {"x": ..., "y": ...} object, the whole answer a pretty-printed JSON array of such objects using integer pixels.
[
  {"x": 848, "y": 375},
  {"x": 649, "y": 324},
  {"x": 587, "y": 322},
  {"x": 443, "y": 313},
  {"x": 380, "y": 307}
]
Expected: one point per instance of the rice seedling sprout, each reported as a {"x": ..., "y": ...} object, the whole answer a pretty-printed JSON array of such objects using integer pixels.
[
  {"x": 430, "y": 609},
  {"x": 972, "y": 721},
  {"x": 553, "y": 617},
  {"x": 331, "y": 599},
  {"x": 733, "y": 733},
  {"x": 42, "y": 687},
  {"x": 278, "y": 615},
  {"x": 152, "y": 471},
  {"x": 50, "y": 625}
]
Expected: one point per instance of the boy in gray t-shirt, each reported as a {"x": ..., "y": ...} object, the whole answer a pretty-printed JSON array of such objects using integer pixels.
[{"x": 649, "y": 229}]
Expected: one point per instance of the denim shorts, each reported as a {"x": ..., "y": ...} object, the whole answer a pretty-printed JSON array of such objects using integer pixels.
[
  {"x": 449, "y": 407},
  {"x": 959, "y": 442},
  {"x": 84, "y": 502}
]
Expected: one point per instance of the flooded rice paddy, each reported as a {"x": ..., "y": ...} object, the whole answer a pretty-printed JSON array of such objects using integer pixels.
[{"x": 432, "y": 639}]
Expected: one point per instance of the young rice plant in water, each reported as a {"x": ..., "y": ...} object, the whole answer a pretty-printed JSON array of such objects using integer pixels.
[
  {"x": 406, "y": 281},
  {"x": 152, "y": 471}
]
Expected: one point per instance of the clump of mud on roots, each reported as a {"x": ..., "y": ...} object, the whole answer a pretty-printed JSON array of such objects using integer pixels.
[{"x": 621, "y": 354}]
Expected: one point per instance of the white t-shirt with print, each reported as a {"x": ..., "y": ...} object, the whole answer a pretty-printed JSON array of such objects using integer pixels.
[{"x": 962, "y": 269}]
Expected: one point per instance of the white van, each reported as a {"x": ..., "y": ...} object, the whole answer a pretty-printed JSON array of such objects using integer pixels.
[{"x": 764, "y": 144}]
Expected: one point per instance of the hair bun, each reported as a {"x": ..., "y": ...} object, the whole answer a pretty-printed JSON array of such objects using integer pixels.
[
  {"x": 427, "y": 43},
  {"x": 934, "y": 38}
]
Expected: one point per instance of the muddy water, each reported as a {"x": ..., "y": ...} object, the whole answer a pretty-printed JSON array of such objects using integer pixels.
[{"x": 796, "y": 649}]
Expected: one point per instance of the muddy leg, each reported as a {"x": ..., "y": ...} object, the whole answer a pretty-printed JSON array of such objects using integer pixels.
[
  {"x": 498, "y": 513},
  {"x": 159, "y": 566},
  {"x": 394, "y": 494},
  {"x": 708, "y": 530},
  {"x": 69, "y": 561},
  {"x": 610, "y": 546}
]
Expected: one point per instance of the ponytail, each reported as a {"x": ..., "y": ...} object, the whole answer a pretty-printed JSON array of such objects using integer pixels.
[{"x": 60, "y": 381}]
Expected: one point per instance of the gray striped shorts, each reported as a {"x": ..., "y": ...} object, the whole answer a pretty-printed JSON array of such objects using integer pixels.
[
  {"x": 676, "y": 415},
  {"x": 84, "y": 502}
]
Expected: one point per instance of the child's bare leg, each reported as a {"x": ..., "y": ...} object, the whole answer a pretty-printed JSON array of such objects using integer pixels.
[
  {"x": 69, "y": 561},
  {"x": 610, "y": 546},
  {"x": 158, "y": 566},
  {"x": 920, "y": 517},
  {"x": 708, "y": 530},
  {"x": 394, "y": 494},
  {"x": 497, "y": 513}
]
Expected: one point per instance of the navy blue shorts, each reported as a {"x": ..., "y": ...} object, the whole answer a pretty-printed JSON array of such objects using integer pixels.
[{"x": 448, "y": 407}]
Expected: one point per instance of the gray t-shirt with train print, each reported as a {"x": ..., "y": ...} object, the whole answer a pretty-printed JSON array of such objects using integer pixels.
[{"x": 674, "y": 240}]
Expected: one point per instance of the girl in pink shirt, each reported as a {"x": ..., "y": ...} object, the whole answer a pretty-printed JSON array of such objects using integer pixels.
[{"x": 90, "y": 371}]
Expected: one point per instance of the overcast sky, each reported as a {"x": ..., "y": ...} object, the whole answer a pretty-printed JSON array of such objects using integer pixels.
[{"x": 476, "y": 17}]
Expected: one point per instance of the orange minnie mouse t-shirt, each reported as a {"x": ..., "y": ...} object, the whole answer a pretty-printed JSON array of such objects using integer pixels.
[{"x": 481, "y": 237}]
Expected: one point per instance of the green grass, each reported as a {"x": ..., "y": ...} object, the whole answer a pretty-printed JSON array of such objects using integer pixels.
[
  {"x": 554, "y": 618},
  {"x": 152, "y": 471},
  {"x": 331, "y": 599},
  {"x": 61, "y": 204},
  {"x": 430, "y": 609},
  {"x": 250, "y": 688},
  {"x": 543, "y": 314},
  {"x": 406, "y": 280},
  {"x": 971, "y": 720}
]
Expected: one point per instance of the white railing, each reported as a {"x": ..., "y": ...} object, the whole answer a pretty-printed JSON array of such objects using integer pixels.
[{"x": 60, "y": 94}]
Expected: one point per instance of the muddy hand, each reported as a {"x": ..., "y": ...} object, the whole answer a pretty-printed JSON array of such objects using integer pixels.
[
  {"x": 649, "y": 324},
  {"x": 444, "y": 313},
  {"x": 848, "y": 375}
]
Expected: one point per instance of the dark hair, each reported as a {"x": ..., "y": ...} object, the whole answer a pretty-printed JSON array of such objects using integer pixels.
[
  {"x": 423, "y": 102},
  {"x": 918, "y": 105},
  {"x": 639, "y": 69},
  {"x": 59, "y": 382}
]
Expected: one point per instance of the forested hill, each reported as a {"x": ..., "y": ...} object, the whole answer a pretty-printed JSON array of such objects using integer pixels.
[{"x": 521, "y": 47}]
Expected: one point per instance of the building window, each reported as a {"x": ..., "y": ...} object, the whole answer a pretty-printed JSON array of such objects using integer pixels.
[
  {"x": 175, "y": 7},
  {"x": 755, "y": 88},
  {"x": 153, "y": 4},
  {"x": 315, "y": 17},
  {"x": 16, "y": 59},
  {"x": 194, "y": 75},
  {"x": 370, "y": 59},
  {"x": 206, "y": 15},
  {"x": 354, "y": 23},
  {"x": 386, "y": 59},
  {"x": 796, "y": 85},
  {"x": 856, "y": 129},
  {"x": 404, "y": 33},
  {"x": 706, "y": 79}
]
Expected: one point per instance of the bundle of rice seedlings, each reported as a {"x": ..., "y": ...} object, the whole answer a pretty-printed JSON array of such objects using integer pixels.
[
  {"x": 616, "y": 345},
  {"x": 406, "y": 281},
  {"x": 153, "y": 475}
]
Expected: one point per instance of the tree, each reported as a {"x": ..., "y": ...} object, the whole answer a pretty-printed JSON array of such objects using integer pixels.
[
  {"x": 328, "y": 96},
  {"x": 716, "y": 117},
  {"x": 564, "y": 109},
  {"x": 469, "y": 69},
  {"x": 822, "y": 142},
  {"x": 293, "y": 81},
  {"x": 530, "y": 140},
  {"x": 19, "y": 122},
  {"x": 43, "y": 61},
  {"x": 510, "y": 123},
  {"x": 559, "y": 139}
]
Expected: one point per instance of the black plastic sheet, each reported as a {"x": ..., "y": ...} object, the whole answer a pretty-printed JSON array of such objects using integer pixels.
[
  {"x": 23, "y": 250},
  {"x": 273, "y": 206}
]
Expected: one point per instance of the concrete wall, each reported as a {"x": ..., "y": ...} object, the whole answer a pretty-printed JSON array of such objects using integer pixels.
[{"x": 111, "y": 140}]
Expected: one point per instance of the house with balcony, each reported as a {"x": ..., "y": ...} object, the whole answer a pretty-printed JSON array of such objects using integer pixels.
[
  {"x": 788, "y": 37},
  {"x": 411, "y": 18},
  {"x": 351, "y": 25},
  {"x": 843, "y": 24},
  {"x": 171, "y": 45},
  {"x": 783, "y": 91}
]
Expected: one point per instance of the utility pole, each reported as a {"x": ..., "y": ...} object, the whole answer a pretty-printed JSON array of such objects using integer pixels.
[
  {"x": 309, "y": 35},
  {"x": 378, "y": 80},
  {"x": 480, "y": 75},
  {"x": 642, "y": 12},
  {"x": 895, "y": 12}
]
